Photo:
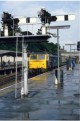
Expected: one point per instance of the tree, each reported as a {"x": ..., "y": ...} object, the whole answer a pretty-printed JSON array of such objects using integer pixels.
[{"x": 12, "y": 23}]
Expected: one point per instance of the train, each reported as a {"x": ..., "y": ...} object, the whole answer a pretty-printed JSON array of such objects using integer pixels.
[{"x": 43, "y": 61}]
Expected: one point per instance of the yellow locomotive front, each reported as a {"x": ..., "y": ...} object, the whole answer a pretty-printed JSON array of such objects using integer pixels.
[{"x": 38, "y": 61}]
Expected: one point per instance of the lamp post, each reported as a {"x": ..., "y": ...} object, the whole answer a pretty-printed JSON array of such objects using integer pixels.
[{"x": 58, "y": 27}]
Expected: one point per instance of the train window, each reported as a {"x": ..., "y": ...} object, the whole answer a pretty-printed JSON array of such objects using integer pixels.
[
  {"x": 33, "y": 57},
  {"x": 41, "y": 56}
]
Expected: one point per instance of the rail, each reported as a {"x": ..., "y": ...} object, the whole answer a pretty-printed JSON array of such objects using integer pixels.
[{"x": 8, "y": 78}]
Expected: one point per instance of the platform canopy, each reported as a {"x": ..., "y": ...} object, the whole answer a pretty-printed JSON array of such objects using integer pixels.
[
  {"x": 27, "y": 38},
  {"x": 9, "y": 53}
]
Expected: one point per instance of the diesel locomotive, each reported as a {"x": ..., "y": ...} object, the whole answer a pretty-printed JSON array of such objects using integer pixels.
[{"x": 42, "y": 60}]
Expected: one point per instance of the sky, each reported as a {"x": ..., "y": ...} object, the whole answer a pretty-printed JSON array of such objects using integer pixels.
[{"x": 31, "y": 8}]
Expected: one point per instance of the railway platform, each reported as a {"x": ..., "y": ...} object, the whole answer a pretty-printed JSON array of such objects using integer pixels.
[
  {"x": 45, "y": 100},
  {"x": 10, "y": 70}
]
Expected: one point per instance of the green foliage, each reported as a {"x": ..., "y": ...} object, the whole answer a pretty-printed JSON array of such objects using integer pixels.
[
  {"x": 44, "y": 46},
  {"x": 32, "y": 47},
  {"x": 7, "y": 47},
  {"x": 12, "y": 23}
]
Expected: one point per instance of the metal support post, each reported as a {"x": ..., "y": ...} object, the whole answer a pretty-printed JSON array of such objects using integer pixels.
[
  {"x": 70, "y": 51},
  {"x": 13, "y": 27},
  {"x": 60, "y": 72},
  {"x": 58, "y": 55},
  {"x": 16, "y": 68}
]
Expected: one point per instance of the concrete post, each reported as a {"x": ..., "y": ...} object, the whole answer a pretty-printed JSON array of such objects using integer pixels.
[
  {"x": 44, "y": 30},
  {"x": 24, "y": 89},
  {"x": 5, "y": 30},
  {"x": 25, "y": 71}
]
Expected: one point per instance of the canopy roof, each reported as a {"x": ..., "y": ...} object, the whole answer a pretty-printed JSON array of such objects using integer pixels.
[
  {"x": 26, "y": 38},
  {"x": 9, "y": 53}
]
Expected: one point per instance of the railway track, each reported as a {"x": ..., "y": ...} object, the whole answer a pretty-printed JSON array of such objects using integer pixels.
[
  {"x": 4, "y": 79},
  {"x": 8, "y": 78}
]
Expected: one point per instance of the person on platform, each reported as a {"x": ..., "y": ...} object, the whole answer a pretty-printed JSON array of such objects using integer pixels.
[
  {"x": 73, "y": 63},
  {"x": 69, "y": 63},
  {"x": 8, "y": 63}
]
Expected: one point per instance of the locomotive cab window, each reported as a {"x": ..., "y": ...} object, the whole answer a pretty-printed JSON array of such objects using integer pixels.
[
  {"x": 41, "y": 56},
  {"x": 33, "y": 57}
]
